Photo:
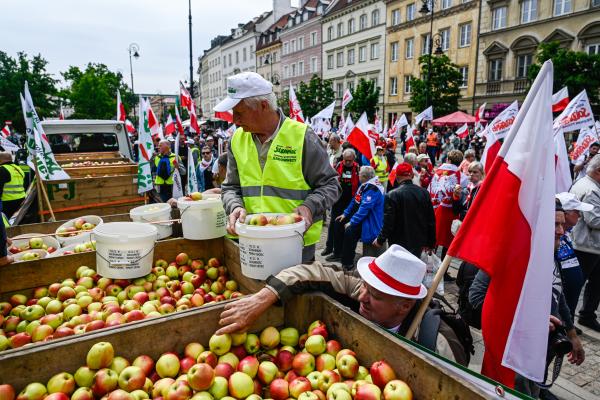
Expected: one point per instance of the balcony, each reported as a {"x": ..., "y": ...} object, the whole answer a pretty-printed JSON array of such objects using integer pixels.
[{"x": 504, "y": 87}]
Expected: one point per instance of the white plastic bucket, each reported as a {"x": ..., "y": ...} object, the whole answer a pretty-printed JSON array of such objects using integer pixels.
[
  {"x": 80, "y": 237},
  {"x": 124, "y": 250},
  {"x": 266, "y": 250},
  {"x": 40, "y": 253},
  {"x": 69, "y": 249},
  {"x": 23, "y": 241},
  {"x": 202, "y": 219},
  {"x": 152, "y": 213}
]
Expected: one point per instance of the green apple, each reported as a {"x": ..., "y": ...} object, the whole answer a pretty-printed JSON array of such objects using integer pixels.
[
  {"x": 62, "y": 382},
  {"x": 240, "y": 385},
  {"x": 219, "y": 388},
  {"x": 289, "y": 336},
  {"x": 220, "y": 344},
  {"x": 167, "y": 365},
  {"x": 84, "y": 377},
  {"x": 100, "y": 355},
  {"x": 33, "y": 391}
]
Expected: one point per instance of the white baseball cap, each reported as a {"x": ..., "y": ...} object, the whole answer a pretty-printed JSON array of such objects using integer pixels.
[
  {"x": 189, "y": 141},
  {"x": 570, "y": 202},
  {"x": 241, "y": 86},
  {"x": 396, "y": 272}
]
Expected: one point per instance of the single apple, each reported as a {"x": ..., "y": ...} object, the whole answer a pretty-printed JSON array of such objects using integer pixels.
[
  {"x": 220, "y": 344},
  {"x": 201, "y": 376},
  {"x": 84, "y": 377},
  {"x": 289, "y": 336},
  {"x": 315, "y": 344},
  {"x": 382, "y": 373},
  {"x": 269, "y": 338},
  {"x": 267, "y": 371},
  {"x": 105, "y": 381},
  {"x": 279, "y": 389},
  {"x": 33, "y": 391},
  {"x": 62, "y": 382},
  {"x": 168, "y": 365},
  {"x": 298, "y": 386},
  {"x": 325, "y": 361},
  {"x": 132, "y": 378},
  {"x": 397, "y": 390}
]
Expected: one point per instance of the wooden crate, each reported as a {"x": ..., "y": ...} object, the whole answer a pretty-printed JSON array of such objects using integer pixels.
[
  {"x": 51, "y": 227},
  {"x": 429, "y": 379},
  {"x": 101, "y": 170},
  {"x": 95, "y": 156}
]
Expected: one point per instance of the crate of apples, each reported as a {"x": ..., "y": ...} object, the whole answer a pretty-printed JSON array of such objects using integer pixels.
[
  {"x": 273, "y": 364},
  {"x": 273, "y": 219},
  {"x": 89, "y": 302}
]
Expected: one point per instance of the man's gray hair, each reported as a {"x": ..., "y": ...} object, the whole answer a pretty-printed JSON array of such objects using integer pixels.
[
  {"x": 478, "y": 165},
  {"x": 367, "y": 172},
  {"x": 469, "y": 153},
  {"x": 411, "y": 158},
  {"x": 348, "y": 153},
  {"x": 164, "y": 141},
  {"x": 593, "y": 165},
  {"x": 254, "y": 102},
  {"x": 335, "y": 137}
]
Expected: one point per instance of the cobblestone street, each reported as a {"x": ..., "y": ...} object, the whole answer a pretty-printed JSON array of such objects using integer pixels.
[{"x": 575, "y": 382}]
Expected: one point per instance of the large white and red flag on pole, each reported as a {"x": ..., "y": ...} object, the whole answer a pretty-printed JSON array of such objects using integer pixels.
[
  {"x": 121, "y": 116},
  {"x": 495, "y": 132},
  {"x": 129, "y": 126},
  {"x": 518, "y": 256},
  {"x": 479, "y": 116},
  {"x": 346, "y": 99},
  {"x": 61, "y": 114},
  {"x": 170, "y": 126},
  {"x": 187, "y": 102},
  {"x": 178, "y": 123},
  {"x": 6, "y": 131},
  {"x": 425, "y": 115},
  {"x": 225, "y": 115},
  {"x": 560, "y": 100},
  {"x": 410, "y": 138},
  {"x": 152, "y": 120},
  {"x": 577, "y": 115},
  {"x": 463, "y": 131},
  {"x": 361, "y": 137},
  {"x": 295, "y": 110},
  {"x": 563, "y": 172}
]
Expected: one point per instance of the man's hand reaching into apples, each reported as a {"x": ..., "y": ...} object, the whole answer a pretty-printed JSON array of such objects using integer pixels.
[{"x": 239, "y": 315}]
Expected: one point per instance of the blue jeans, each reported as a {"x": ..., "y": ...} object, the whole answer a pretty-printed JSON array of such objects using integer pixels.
[{"x": 572, "y": 280}]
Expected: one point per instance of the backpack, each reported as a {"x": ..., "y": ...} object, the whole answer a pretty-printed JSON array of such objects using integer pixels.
[
  {"x": 163, "y": 169},
  {"x": 464, "y": 279}
]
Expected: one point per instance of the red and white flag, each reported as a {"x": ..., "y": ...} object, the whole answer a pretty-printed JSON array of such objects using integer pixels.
[
  {"x": 121, "y": 116},
  {"x": 295, "y": 110},
  {"x": 170, "y": 126},
  {"x": 563, "y": 172},
  {"x": 6, "y": 131},
  {"x": 577, "y": 115},
  {"x": 61, "y": 114},
  {"x": 410, "y": 139},
  {"x": 495, "y": 132},
  {"x": 152, "y": 120},
  {"x": 509, "y": 233},
  {"x": 178, "y": 123},
  {"x": 587, "y": 136},
  {"x": 346, "y": 98},
  {"x": 129, "y": 126},
  {"x": 479, "y": 113},
  {"x": 560, "y": 99},
  {"x": 188, "y": 103},
  {"x": 425, "y": 115},
  {"x": 393, "y": 174},
  {"x": 346, "y": 127},
  {"x": 225, "y": 116},
  {"x": 463, "y": 131},
  {"x": 361, "y": 137}
]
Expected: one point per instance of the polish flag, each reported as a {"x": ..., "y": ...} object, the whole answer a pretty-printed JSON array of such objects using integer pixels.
[
  {"x": 426, "y": 115},
  {"x": 225, "y": 116},
  {"x": 188, "y": 103},
  {"x": 495, "y": 132},
  {"x": 295, "y": 110},
  {"x": 479, "y": 113},
  {"x": 361, "y": 137},
  {"x": 509, "y": 233},
  {"x": 346, "y": 99},
  {"x": 121, "y": 116},
  {"x": 178, "y": 123},
  {"x": 560, "y": 99},
  {"x": 392, "y": 177},
  {"x": 410, "y": 139},
  {"x": 61, "y": 114},
  {"x": 129, "y": 126},
  {"x": 6, "y": 131},
  {"x": 152, "y": 120},
  {"x": 463, "y": 131},
  {"x": 170, "y": 126}
]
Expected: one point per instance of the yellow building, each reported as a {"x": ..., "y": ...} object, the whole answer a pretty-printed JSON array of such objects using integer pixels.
[
  {"x": 511, "y": 32},
  {"x": 454, "y": 29}
]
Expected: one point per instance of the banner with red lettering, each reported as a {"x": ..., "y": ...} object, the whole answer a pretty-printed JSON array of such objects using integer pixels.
[
  {"x": 586, "y": 137},
  {"x": 577, "y": 115},
  {"x": 500, "y": 126}
]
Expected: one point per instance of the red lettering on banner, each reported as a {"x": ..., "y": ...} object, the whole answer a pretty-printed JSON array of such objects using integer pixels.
[
  {"x": 575, "y": 116},
  {"x": 578, "y": 151},
  {"x": 501, "y": 125}
]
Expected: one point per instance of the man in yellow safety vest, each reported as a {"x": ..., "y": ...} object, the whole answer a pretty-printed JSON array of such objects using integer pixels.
[
  {"x": 380, "y": 165},
  {"x": 274, "y": 164},
  {"x": 164, "y": 168},
  {"x": 12, "y": 179}
]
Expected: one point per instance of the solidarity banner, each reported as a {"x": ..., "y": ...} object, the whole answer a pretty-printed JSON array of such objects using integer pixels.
[{"x": 577, "y": 115}]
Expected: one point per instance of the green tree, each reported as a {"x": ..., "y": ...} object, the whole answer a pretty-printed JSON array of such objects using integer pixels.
[
  {"x": 284, "y": 102},
  {"x": 314, "y": 96},
  {"x": 93, "y": 92},
  {"x": 364, "y": 99},
  {"x": 13, "y": 74},
  {"x": 577, "y": 70},
  {"x": 443, "y": 88}
]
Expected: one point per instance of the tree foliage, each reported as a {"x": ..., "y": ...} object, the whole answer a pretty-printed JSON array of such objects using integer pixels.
[
  {"x": 93, "y": 92},
  {"x": 444, "y": 86},
  {"x": 577, "y": 70},
  {"x": 365, "y": 98},
  {"x": 13, "y": 74},
  {"x": 284, "y": 102},
  {"x": 314, "y": 96}
]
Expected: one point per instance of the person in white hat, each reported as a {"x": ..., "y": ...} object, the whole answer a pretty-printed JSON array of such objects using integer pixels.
[
  {"x": 387, "y": 292},
  {"x": 275, "y": 164}
]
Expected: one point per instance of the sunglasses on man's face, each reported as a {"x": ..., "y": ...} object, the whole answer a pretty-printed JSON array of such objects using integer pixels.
[{"x": 207, "y": 152}]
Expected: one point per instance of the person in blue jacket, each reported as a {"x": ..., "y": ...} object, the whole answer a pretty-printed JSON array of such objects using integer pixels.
[{"x": 363, "y": 218}]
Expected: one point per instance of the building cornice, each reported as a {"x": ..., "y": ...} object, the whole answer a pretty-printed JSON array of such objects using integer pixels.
[
  {"x": 460, "y": 8},
  {"x": 349, "y": 9},
  {"x": 355, "y": 33}
]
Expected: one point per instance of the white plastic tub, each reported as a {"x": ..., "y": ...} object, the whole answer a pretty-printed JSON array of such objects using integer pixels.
[
  {"x": 69, "y": 248},
  {"x": 79, "y": 237},
  {"x": 124, "y": 250},
  {"x": 266, "y": 250},
  {"x": 153, "y": 213},
  {"x": 23, "y": 240},
  {"x": 202, "y": 219},
  {"x": 19, "y": 256}
]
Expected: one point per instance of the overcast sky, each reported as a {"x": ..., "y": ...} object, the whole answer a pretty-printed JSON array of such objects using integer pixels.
[{"x": 75, "y": 32}]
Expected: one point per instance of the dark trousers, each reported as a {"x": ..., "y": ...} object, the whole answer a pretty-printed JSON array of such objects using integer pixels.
[
  {"x": 351, "y": 238},
  {"x": 431, "y": 152},
  {"x": 572, "y": 281},
  {"x": 11, "y": 206},
  {"x": 335, "y": 234},
  {"x": 3, "y": 251},
  {"x": 165, "y": 192},
  {"x": 590, "y": 265}
]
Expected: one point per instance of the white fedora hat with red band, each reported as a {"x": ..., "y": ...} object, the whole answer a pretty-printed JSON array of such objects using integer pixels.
[{"x": 396, "y": 272}]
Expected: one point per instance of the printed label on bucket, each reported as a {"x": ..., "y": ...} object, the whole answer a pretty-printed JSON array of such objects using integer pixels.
[
  {"x": 251, "y": 255},
  {"x": 221, "y": 219},
  {"x": 124, "y": 259}
]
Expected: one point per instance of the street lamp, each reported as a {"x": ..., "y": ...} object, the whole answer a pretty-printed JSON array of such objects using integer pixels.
[
  {"x": 133, "y": 49},
  {"x": 274, "y": 77},
  {"x": 433, "y": 39}
]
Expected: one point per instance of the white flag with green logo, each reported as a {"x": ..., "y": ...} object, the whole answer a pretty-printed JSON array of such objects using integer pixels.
[
  {"x": 145, "y": 150},
  {"x": 37, "y": 143},
  {"x": 177, "y": 186},
  {"x": 192, "y": 185}
]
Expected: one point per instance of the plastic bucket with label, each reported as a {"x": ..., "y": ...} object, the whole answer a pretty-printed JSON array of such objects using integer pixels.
[
  {"x": 154, "y": 213},
  {"x": 202, "y": 219},
  {"x": 124, "y": 250},
  {"x": 266, "y": 250}
]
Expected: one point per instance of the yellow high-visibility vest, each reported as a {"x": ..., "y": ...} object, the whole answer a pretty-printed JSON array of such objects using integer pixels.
[{"x": 14, "y": 189}]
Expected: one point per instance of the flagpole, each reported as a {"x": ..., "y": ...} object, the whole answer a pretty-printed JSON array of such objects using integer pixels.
[
  {"x": 42, "y": 190},
  {"x": 430, "y": 292}
]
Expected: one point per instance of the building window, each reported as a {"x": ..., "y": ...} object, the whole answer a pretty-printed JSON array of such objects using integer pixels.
[
  {"x": 285, "y": 71},
  {"x": 528, "y": 11},
  {"x": 350, "y": 26},
  {"x": 340, "y": 59},
  {"x": 595, "y": 3},
  {"x": 375, "y": 18},
  {"x": 286, "y": 48},
  {"x": 594, "y": 48},
  {"x": 293, "y": 46},
  {"x": 425, "y": 43},
  {"x": 237, "y": 57},
  {"x": 313, "y": 64},
  {"x": 244, "y": 54},
  {"x": 410, "y": 12},
  {"x": 293, "y": 70},
  {"x": 446, "y": 4},
  {"x": 362, "y": 54},
  {"x": 300, "y": 68},
  {"x": 445, "y": 39},
  {"x": 499, "y": 18},
  {"x": 464, "y": 71},
  {"x": 224, "y": 62},
  {"x": 340, "y": 29},
  {"x": 340, "y": 90},
  {"x": 495, "y": 69},
  {"x": 375, "y": 82},
  {"x": 395, "y": 16},
  {"x": 409, "y": 48},
  {"x": 300, "y": 43},
  {"x": 374, "y": 51},
  {"x": 330, "y": 61},
  {"x": 251, "y": 51},
  {"x": 393, "y": 86},
  {"x": 407, "y": 86},
  {"x": 229, "y": 56},
  {"x": 350, "y": 56},
  {"x": 362, "y": 22},
  {"x": 465, "y": 35},
  {"x": 394, "y": 51},
  {"x": 562, "y": 7},
  {"x": 351, "y": 86},
  {"x": 523, "y": 64},
  {"x": 313, "y": 38},
  {"x": 330, "y": 33},
  {"x": 274, "y": 55}
]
